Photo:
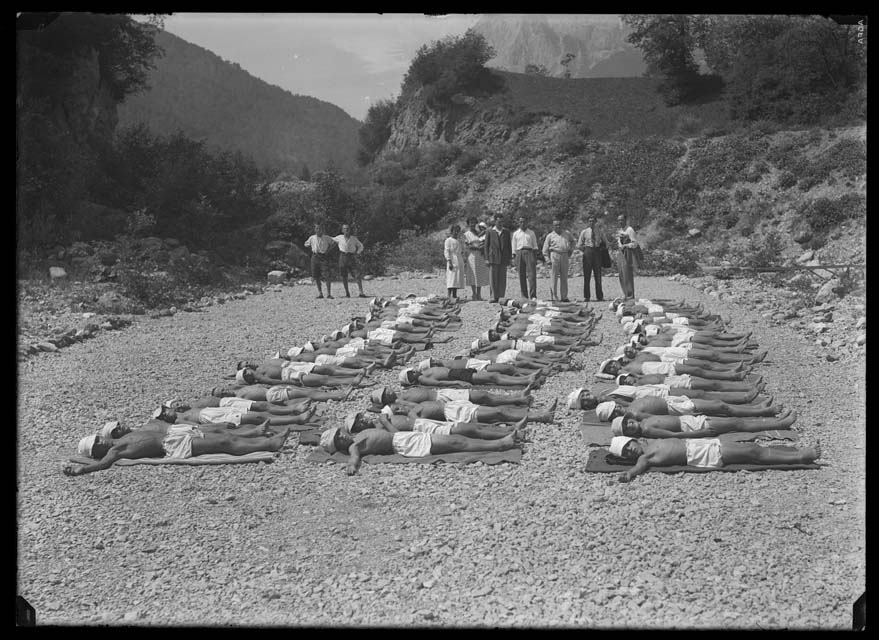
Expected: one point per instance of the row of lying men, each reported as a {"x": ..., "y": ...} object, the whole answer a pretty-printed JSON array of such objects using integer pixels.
[
  {"x": 255, "y": 413},
  {"x": 680, "y": 380},
  {"x": 439, "y": 408}
]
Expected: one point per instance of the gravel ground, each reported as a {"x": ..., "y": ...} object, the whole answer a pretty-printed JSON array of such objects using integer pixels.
[{"x": 538, "y": 544}]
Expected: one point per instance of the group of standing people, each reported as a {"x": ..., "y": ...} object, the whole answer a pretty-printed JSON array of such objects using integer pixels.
[
  {"x": 321, "y": 246},
  {"x": 482, "y": 255}
]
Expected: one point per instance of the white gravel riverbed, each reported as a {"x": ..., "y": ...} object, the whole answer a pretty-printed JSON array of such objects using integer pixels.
[{"x": 536, "y": 544}]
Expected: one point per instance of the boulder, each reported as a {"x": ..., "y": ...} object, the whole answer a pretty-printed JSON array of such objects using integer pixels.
[
  {"x": 816, "y": 327},
  {"x": 57, "y": 274},
  {"x": 862, "y": 321},
  {"x": 694, "y": 232},
  {"x": 862, "y": 340},
  {"x": 277, "y": 277},
  {"x": 805, "y": 257},
  {"x": 828, "y": 291},
  {"x": 277, "y": 248}
]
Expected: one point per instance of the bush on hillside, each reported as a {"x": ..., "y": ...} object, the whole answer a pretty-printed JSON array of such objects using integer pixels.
[
  {"x": 762, "y": 251},
  {"x": 416, "y": 252},
  {"x": 785, "y": 180},
  {"x": 673, "y": 256},
  {"x": 451, "y": 66},
  {"x": 468, "y": 159},
  {"x": 825, "y": 213},
  {"x": 376, "y": 130}
]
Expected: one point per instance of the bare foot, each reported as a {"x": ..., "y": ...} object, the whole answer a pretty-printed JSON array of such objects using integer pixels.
[
  {"x": 811, "y": 454},
  {"x": 788, "y": 418},
  {"x": 346, "y": 390},
  {"x": 553, "y": 406},
  {"x": 276, "y": 442}
]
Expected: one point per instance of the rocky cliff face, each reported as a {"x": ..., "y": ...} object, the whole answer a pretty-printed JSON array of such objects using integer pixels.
[{"x": 597, "y": 42}]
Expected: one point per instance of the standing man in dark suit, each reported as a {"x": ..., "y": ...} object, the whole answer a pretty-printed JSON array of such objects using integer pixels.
[
  {"x": 589, "y": 242},
  {"x": 498, "y": 254}
]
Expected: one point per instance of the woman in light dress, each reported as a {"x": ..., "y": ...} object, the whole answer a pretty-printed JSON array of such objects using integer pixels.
[
  {"x": 476, "y": 271},
  {"x": 453, "y": 250}
]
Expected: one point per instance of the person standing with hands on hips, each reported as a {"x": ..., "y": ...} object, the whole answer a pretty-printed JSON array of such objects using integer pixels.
[
  {"x": 320, "y": 244},
  {"x": 525, "y": 258},
  {"x": 557, "y": 249},
  {"x": 590, "y": 242},
  {"x": 498, "y": 254},
  {"x": 349, "y": 248},
  {"x": 453, "y": 251},
  {"x": 629, "y": 256}
]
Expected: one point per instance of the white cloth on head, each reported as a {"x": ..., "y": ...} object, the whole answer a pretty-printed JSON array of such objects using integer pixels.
[
  {"x": 617, "y": 443},
  {"x": 693, "y": 423},
  {"x": 604, "y": 410},
  {"x": 107, "y": 430},
  {"x": 403, "y": 376},
  {"x": 423, "y": 364},
  {"x": 616, "y": 426},
  {"x": 292, "y": 352},
  {"x": 239, "y": 377},
  {"x": 425, "y": 425},
  {"x": 326, "y": 440},
  {"x": 573, "y": 400},
  {"x": 84, "y": 448},
  {"x": 704, "y": 452},
  {"x": 412, "y": 444}
]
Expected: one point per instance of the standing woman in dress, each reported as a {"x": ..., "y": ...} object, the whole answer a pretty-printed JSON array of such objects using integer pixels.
[
  {"x": 476, "y": 272},
  {"x": 454, "y": 253},
  {"x": 628, "y": 256}
]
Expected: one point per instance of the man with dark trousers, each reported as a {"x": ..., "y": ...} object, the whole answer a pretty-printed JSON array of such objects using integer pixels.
[
  {"x": 588, "y": 242},
  {"x": 498, "y": 254}
]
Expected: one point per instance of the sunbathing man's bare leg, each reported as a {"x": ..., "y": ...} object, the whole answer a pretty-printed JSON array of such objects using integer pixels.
[
  {"x": 478, "y": 396},
  {"x": 454, "y": 443},
  {"x": 752, "y": 425},
  {"x": 221, "y": 443},
  {"x": 480, "y": 431},
  {"x": 751, "y": 453}
]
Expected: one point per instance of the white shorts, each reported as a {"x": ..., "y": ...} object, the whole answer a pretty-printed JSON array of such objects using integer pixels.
[
  {"x": 643, "y": 391},
  {"x": 278, "y": 394},
  {"x": 236, "y": 403},
  {"x": 693, "y": 423},
  {"x": 305, "y": 367},
  {"x": 524, "y": 345},
  {"x": 212, "y": 415},
  {"x": 178, "y": 442},
  {"x": 658, "y": 368},
  {"x": 679, "y": 405},
  {"x": 654, "y": 309},
  {"x": 412, "y": 444},
  {"x": 476, "y": 363},
  {"x": 704, "y": 452},
  {"x": 346, "y": 351},
  {"x": 453, "y": 395},
  {"x": 327, "y": 359},
  {"x": 460, "y": 411},
  {"x": 681, "y": 320},
  {"x": 682, "y": 339},
  {"x": 544, "y": 340},
  {"x": 289, "y": 374},
  {"x": 424, "y": 425},
  {"x": 382, "y": 336},
  {"x": 679, "y": 382},
  {"x": 507, "y": 357}
]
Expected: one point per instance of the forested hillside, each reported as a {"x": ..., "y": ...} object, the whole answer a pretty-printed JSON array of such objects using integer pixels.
[{"x": 208, "y": 99}]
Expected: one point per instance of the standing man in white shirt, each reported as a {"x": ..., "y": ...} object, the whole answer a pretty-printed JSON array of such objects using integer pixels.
[
  {"x": 525, "y": 258},
  {"x": 320, "y": 244},
  {"x": 349, "y": 248},
  {"x": 589, "y": 242},
  {"x": 628, "y": 256},
  {"x": 557, "y": 249}
]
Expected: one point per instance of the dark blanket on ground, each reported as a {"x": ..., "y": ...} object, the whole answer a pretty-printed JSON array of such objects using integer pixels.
[
  {"x": 207, "y": 458},
  {"x": 598, "y": 463},
  {"x": 486, "y": 457},
  {"x": 600, "y": 435}
]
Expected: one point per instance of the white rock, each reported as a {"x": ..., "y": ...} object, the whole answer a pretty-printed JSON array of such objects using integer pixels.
[
  {"x": 276, "y": 277},
  {"x": 57, "y": 273},
  {"x": 861, "y": 322},
  {"x": 862, "y": 339}
]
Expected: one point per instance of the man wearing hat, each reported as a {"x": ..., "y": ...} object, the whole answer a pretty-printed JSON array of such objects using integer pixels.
[
  {"x": 466, "y": 411},
  {"x": 628, "y": 393},
  {"x": 672, "y": 405},
  {"x": 180, "y": 441},
  {"x": 483, "y": 364},
  {"x": 393, "y": 422},
  {"x": 686, "y": 381},
  {"x": 279, "y": 368},
  {"x": 707, "y": 453},
  {"x": 300, "y": 378},
  {"x": 445, "y": 377},
  {"x": 491, "y": 340},
  {"x": 412, "y": 444},
  {"x": 280, "y": 394},
  {"x": 696, "y": 426},
  {"x": 501, "y": 354},
  {"x": 289, "y": 408},
  {"x": 231, "y": 415},
  {"x": 619, "y": 364},
  {"x": 416, "y": 395},
  {"x": 540, "y": 340}
]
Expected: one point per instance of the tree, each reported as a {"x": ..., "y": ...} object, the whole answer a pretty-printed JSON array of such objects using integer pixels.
[
  {"x": 565, "y": 61},
  {"x": 305, "y": 174},
  {"x": 376, "y": 130},
  {"x": 536, "y": 70},
  {"x": 450, "y": 66}
]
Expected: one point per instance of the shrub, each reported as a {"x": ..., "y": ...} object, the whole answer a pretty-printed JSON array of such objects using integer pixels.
[
  {"x": 688, "y": 125},
  {"x": 825, "y": 213},
  {"x": 415, "y": 251},
  {"x": 785, "y": 180},
  {"x": 675, "y": 256},
  {"x": 762, "y": 251},
  {"x": 468, "y": 159}
]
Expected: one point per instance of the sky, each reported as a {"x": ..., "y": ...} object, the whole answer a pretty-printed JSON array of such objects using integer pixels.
[{"x": 349, "y": 59}]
